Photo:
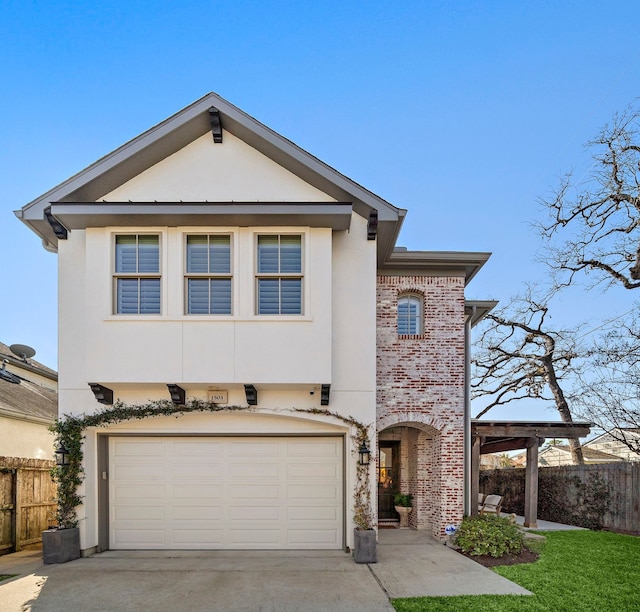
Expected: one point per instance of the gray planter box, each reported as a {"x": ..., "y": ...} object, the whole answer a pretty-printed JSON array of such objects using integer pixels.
[
  {"x": 365, "y": 546},
  {"x": 60, "y": 545}
]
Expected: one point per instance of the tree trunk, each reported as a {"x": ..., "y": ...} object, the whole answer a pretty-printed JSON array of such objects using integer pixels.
[{"x": 562, "y": 406}]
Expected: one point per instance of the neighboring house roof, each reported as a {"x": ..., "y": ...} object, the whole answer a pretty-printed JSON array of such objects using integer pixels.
[
  {"x": 590, "y": 455},
  {"x": 615, "y": 434},
  {"x": 621, "y": 441},
  {"x": 27, "y": 400},
  {"x": 30, "y": 365}
]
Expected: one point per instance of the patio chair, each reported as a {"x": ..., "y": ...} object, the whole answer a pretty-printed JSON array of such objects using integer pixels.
[
  {"x": 492, "y": 505},
  {"x": 481, "y": 497}
]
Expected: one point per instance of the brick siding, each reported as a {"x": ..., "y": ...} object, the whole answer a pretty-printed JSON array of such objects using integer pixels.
[{"x": 420, "y": 391}]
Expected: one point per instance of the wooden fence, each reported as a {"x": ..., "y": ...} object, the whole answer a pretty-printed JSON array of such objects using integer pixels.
[
  {"x": 27, "y": 505},
  {"x": 605, "y": 496}
]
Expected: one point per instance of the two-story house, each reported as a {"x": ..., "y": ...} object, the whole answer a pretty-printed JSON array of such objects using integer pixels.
[{"x": 216, "y": 257}]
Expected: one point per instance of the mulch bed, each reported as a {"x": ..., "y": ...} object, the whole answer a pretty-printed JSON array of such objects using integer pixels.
[{"x": 526, "y": 556}]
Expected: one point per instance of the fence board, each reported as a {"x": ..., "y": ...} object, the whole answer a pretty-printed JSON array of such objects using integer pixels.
[
  {"x": 562, "y": 493},
  {"x": 27, "y": 501}
]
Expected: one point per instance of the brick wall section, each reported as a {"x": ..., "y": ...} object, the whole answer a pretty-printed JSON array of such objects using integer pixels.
[{"x": 420, "y": 385}]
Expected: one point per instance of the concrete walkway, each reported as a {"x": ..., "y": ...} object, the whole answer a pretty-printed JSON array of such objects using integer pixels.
[
  {"x": 410, "y": 563},
  {"x": 546, "y": 525}
]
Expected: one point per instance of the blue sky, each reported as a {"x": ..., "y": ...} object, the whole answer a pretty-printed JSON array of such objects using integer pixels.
[{"x": 465, "y": 113}]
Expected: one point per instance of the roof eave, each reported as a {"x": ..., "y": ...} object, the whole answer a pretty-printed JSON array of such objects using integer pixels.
[
  {"x": 177, "y": 131},
  {"x": 461, "y": 263}
]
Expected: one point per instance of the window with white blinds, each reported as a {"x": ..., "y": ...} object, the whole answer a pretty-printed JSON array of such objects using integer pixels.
[
  {"x": 279, "y": 275},
  {"x": 208, "y": 275},
  {"x": 409, "y": 315},
  {"x": 137, "y": 274}
]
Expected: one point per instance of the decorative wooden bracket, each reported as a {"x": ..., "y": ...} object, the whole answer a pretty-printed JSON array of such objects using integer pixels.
[{"x": 216, "y": 124}]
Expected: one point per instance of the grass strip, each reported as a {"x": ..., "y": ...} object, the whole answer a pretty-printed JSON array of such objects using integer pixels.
[{"x": 590, "y": 571}]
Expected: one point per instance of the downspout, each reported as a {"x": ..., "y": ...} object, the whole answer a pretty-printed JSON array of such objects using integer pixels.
[{"x": 467, "y": 411}]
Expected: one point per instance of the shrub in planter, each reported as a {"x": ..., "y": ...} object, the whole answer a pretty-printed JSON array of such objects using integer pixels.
[
  {"x": 488, "y": 534},
  {"x": 403, "y": 499}
]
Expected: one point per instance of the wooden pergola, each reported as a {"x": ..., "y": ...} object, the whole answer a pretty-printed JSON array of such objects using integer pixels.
[{"x": 502, "y": 436}]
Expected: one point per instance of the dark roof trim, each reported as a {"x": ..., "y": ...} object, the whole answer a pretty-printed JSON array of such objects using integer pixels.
[
  {"x": 184, "y": 127},
  {"x": 434, "y": 263},
  {"x": 81, "y": 215}
]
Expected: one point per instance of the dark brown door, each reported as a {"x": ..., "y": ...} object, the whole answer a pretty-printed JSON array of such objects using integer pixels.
[{"x": 388, "y": 478}]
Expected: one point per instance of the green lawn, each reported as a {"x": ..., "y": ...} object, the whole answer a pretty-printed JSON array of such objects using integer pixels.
[{"x": 578, "y": 571}]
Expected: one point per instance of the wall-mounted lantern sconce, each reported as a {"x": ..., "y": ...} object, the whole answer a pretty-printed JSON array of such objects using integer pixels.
[
  {"x": 252, "y": 395},
  {"x": 324, "y": 395},
  {"x": 62, "y": 456},
  {"x": 103, "y": 394},
  {"x": 364, "y": 454},
  {"x": 177, "y": 394}
]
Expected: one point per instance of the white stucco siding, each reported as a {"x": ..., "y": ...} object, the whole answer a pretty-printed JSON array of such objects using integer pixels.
[
  {"x": 354, "y": 310},
  {"x": 73, "y": 308},
  {"x": 243, "y": 347},
  {"x": 21, "y": 438},
  {"x": 226, "y": 172}
]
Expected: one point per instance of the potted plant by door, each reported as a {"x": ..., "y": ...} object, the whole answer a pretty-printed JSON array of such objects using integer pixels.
[
  {"x": 364, "y": 536},
  {"x": 62, "y": 542},
  {"x": 403, "y": 505},
  {"x": 364, "y": 533}
]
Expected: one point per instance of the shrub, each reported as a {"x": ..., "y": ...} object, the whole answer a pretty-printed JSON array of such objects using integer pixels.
[
  {"x": 403, "y": 499},
  {"x": 488, "y": 534}
]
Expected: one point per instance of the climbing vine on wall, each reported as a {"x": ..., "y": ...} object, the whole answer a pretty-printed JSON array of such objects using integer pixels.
[{"x": 69, "y": 434}]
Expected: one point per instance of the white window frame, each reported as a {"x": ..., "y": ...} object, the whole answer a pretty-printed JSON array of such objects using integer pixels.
[
  {"x": 411, "y": 298},
  {"x": 207, "y": 275},
  {"x": 139, "y": 275},
  {"x": 279, "y": 275}
]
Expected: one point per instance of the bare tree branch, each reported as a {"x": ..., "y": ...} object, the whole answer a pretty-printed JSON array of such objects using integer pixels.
[
  {"x": 600, "y": 215},
  {"x": 518, "y": 357}
]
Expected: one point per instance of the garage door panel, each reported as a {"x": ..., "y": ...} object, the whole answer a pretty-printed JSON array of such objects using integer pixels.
[
  {"x": 197, "y": 513},
  {"x": 255, "y": 513},
  {"x": 313, "y": 492},
  {"x": 313, "y": 514},
  {"x": 255, "y": 537},
  {"x": 140, "y": 494},
  {"x": 141, "y": 448},
  {"x": 139, "y": 513},
  {"x": 253, "y": 493},
  {"x": 248, "y": 450},
  {"x": 316, "y": 537},
  {"x": 198, "y": 538},
  {"x": 253, "y": 471},
  {"x": 140, "y": 537},
  {"x": 226, "y": 493}
]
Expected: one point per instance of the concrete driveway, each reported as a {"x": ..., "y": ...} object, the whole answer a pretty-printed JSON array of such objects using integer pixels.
[{"x": 409, "y": 564}]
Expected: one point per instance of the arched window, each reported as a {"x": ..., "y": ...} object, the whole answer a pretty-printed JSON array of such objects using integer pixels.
[{"x": 409, "y": 315}]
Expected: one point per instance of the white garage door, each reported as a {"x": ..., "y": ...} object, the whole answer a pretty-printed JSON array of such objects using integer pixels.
[{"x": 225, "y": 493}]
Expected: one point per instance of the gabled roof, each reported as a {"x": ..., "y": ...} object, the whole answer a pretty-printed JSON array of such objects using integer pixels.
[{"x": 184, "y": 127}]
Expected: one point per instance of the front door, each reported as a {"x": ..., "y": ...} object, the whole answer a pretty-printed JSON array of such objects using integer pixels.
[{"x": 388, "y": 478}]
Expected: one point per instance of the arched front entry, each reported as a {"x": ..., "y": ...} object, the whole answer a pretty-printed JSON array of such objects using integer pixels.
[{"x": 419, "y": 459}]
